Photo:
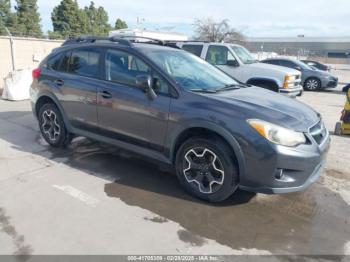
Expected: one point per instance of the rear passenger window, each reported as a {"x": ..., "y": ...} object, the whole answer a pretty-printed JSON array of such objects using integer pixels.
[
  {"x": 54, "y": 62},
  {"x": 84, "y": 62},
  {"x": 194, "y": 49}
]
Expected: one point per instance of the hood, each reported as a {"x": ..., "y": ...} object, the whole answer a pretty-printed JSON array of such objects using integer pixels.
[
  {"x": 258, "y": 103},
  {"x": 283, "y": 70}
]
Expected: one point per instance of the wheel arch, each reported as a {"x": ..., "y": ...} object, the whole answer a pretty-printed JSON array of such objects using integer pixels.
[
  {"x": 208, "y": 131},
  {"x": 45, "y": 98},
  {"x": 312, "y": 77},
  {"x": 272, "y": 82}
]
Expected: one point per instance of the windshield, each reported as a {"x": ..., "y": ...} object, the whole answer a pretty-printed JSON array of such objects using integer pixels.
[
  {"x": 190, "y": 71},
  {"x": 243, "y": 54}
]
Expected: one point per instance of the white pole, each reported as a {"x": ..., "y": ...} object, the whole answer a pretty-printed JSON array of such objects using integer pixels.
[{"x": 12, "y": 50}]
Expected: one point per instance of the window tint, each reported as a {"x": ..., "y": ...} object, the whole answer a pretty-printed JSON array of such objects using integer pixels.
[
  {"x": 54, "y": 62},
  {"x": 219, "y": 55},
  {"x": 65, "y": 62},
  {"x": 194, "y": 49},
  {"x": 123, "y": 68},
  {"x": 272, "y": 62},
  {"x": 287, "y": 64},
  {"x": 84, "y": 62}
]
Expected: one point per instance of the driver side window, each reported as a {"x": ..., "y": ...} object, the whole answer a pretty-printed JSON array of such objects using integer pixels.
[
  {"x": 219, "y": 55},
  {"x": 124, "y": 68}
]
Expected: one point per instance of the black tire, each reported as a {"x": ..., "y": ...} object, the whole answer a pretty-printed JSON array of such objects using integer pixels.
[
  {"x": 225, "y": 161},
  {"x": 52, "y": 126},
  {"x": 312, "y": 84}
]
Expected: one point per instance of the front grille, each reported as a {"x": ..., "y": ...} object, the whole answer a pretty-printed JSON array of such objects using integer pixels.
[{"x": 318, "y": 132}]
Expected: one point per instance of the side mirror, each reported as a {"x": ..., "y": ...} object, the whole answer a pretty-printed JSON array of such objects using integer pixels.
[
  {"x": 145, "y": 83},
  {"x": 298, "y": 68},
  {"x": 232, "y": 63}
]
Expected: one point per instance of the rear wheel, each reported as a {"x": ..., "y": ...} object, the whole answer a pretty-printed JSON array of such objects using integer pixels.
[
  {"x": 52, "y": 126},
  {"x": 312, "y": 84},
  {"x": 207, "y": 169}
]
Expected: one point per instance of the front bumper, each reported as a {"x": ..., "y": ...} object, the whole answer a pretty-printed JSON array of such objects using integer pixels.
[
  {"x": 330, "y": 83},
  {"x": 287, "y": 169},
  {"x": 292, "y": 92}
]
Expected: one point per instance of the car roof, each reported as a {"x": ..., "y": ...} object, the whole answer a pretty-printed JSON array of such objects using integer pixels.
[{"x": 138, "y": 46}]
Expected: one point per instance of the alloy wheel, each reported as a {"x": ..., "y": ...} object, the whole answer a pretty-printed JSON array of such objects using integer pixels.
[
  {"x": 50, "y": 126},
  {"x": 312, "y": 84},
  {"x": 203, "y": 170}
]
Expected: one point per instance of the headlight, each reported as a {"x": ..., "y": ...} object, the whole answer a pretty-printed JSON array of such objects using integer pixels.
[
  {"x": 288, "y": 80},
  {"x": 276, "y": 134}
]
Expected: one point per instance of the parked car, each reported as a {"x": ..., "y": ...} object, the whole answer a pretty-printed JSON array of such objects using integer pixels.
[
  {"x": 168, "y": 105},
  {"x": 312, "y": 79},
  {"x": 317, "y": 65},
  {"x": 237, "y": 61}
]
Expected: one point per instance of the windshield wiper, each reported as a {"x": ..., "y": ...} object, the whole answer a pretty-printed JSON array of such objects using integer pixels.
[
  {"x": 229, "y": 87},
  {"x": 202, "y": 90}
]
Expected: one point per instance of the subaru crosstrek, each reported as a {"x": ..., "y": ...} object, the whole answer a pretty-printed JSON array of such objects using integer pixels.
[{"x": 171, "y": 106}]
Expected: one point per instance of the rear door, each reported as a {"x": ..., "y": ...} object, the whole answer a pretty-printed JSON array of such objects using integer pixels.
[
  {"x": 125, "y": 112},
  {"x": 73, "y": 77}
]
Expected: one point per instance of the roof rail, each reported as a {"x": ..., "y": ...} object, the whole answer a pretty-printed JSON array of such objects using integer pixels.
[
  {"x": 152, "y": 41},
  {"x": 158, "y": 41},
  {"x": 93, "y": 39}
]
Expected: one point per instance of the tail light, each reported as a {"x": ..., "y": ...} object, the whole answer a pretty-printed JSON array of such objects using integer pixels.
[{"x": 36, "y": 73}]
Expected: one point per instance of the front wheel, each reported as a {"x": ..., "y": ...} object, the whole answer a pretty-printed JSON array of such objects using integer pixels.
[
  {"x": 312, "y": 84},
  {"x": 207, "y": 169},
  {"x": 52, "y": 126}
]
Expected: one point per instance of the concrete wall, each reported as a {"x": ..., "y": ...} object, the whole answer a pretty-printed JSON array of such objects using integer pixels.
[{"x": 28, "y": 53}]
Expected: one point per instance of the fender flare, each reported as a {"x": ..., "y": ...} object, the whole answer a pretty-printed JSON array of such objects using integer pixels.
[
  {"x": 227, "y": 136},
  {"x": 59, "y": 106},
  {"x": 264, "y": 79}
]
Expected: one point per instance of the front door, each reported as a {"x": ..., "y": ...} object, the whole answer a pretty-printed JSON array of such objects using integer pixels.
[
  {"x": 223, "y": 58},
  {"x": 125, "y": 112}
]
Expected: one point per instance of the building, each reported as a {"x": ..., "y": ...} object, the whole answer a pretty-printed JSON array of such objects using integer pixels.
[
  {"x": 327, "y": 49},
  {"x": 164, "y": 36}
]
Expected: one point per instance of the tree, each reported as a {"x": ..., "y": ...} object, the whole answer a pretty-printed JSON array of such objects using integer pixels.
[
  {"x": 120, "y": 24},
  {"x": 7, "y": 18},
  {"x": 210, "y": 30},
  {"x": 69, "y": 20},
  {"x": 28, "y": 18},
  {"x": 97, "y": 20}
]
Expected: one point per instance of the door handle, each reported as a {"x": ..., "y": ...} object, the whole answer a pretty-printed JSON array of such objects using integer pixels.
[
  {"x": 106, "y": 94},
  {"x": 59, "y": 82}
]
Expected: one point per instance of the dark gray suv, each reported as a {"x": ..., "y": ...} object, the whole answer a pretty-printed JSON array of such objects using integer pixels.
[{"x": 173, "y": 107}]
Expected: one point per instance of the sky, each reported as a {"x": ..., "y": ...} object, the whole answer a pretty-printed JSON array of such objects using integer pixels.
[{"x": 254, "y": 18}]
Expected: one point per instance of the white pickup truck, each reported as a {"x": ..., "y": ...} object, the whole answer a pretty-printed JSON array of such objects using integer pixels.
[{"x": 237, "y": 61}]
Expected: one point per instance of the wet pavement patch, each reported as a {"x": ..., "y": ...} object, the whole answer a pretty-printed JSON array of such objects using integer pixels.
[
  {"x": 23, "y": 251},
  {"x": 191, "y": 238},
  {"x": 156, "y": 219},
  {"x": 314, "y": 222}
]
